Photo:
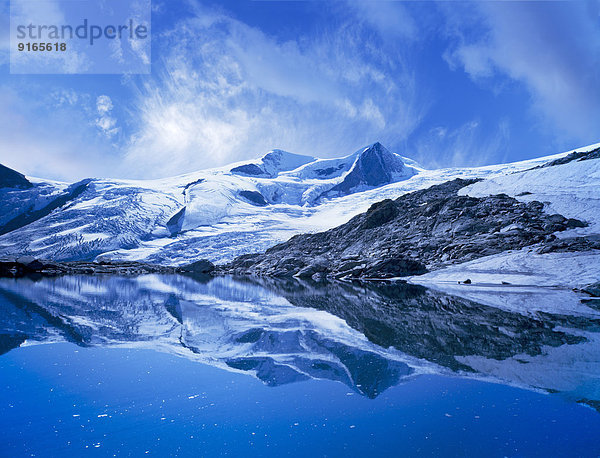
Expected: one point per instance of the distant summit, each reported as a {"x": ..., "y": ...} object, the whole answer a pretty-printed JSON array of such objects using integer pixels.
[
  {"x": 272, "y": 163},
  {"x": 10, "y": 178},
  {"x": 374, "y": 166}
]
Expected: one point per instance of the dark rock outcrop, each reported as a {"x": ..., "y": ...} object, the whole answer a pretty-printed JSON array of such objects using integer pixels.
[
  {"x": 571, "y": 244},
  {"x": 574, "y": 156},
  {"x": 199, "y": 267},
  {"x": 10, "y": 178},
  {"x": 175, "y": 223},
  {"x": 418, "y": 231},
  {"x": 254, "y": 197},
  {"x": 252, "y": 170}
]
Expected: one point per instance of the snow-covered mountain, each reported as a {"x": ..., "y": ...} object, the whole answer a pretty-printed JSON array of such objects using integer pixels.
[
  {"x": 247, "y": 206},
  {"x": 244, "y": 207}
]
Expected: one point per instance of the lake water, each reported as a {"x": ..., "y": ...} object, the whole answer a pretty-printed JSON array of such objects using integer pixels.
[{"x": 171, "y": 365}]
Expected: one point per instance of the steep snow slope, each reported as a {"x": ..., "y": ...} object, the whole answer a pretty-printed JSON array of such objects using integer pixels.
[
  {"x": 20, "y": 205},
  {"x": 103, "y": 215},
  {"x": 374, "y": 167},
  {"x": 571, "y": 189},
  {"x": 215, "y": 214},
  {"x": 175, "y": 220},
  {"x": 252, "y": 229}
]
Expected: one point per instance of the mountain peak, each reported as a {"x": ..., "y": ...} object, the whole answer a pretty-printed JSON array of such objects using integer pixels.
[
  {"x": 379, "y": 150},
  {"x": 375, "y": 166},
  {"x": 377, "y": 146}
]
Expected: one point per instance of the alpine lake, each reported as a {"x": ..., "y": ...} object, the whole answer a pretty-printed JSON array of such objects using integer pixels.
[{"x": 171, "y": 365}]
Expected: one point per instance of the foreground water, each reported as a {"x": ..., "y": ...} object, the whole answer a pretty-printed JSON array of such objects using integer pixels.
[{"x": 170, "y": 365}]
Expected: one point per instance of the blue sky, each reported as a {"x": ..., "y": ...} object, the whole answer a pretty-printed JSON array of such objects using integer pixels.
[{"x": 447, "y": 84}]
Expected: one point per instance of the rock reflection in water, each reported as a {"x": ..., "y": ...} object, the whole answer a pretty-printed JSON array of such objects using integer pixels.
[{"x": 369, "y": 337}]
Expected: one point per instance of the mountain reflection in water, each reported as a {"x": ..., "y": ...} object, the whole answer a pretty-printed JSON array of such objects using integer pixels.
[{"x": 369, "y": 337}]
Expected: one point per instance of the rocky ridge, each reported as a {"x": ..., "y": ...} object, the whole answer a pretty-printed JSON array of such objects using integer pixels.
[
  {"x": 574, "y": 156},
  {"x": 412, "y": 234}
]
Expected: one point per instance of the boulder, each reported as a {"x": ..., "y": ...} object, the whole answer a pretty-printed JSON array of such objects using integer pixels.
[
  {"x": 318, "y": 266},
  {"x": 30, "y": 263},
  {"x": 380, "y": 213},
  {"x": 202, "y": 266}
]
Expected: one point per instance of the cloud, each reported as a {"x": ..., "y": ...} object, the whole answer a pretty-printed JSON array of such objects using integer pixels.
[
  {"x": 229, "y": 91},
  {"x": 470, "y": 144},
  {"x": 390, "y": 18},
  {"x": 552, "y": 48},
  {"x": 61, "y": 148},
  {"x": 105, "y": 122},
  {"x": 104, "y": 104},
  {"x": 223, "y": 90},
  {"x": 4, "y": 32}
]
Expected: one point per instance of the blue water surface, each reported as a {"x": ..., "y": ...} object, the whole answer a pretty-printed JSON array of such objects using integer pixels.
[
  {"x": 70, "y": 390},
  {"x": 59, "y": 399}
]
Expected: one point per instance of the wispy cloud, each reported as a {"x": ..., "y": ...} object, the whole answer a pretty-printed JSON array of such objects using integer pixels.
[
  {"x": 42, "y": 13},
  {"x": 553, "y": 48},
  {"x": 105, "y": 122},
  {"x": 458, "y": 84},
  {"x": 231, "y": 91},
  {"x": 470, "y": 144},
  {"x": 62, "y": 147},
  {"x": 391, "y": 18}
]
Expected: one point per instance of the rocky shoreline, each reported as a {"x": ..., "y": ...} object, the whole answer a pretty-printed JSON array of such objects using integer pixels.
[{"x": 29, "y": 266}]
